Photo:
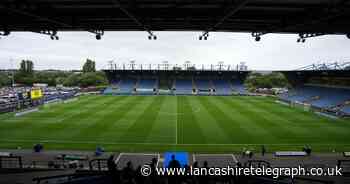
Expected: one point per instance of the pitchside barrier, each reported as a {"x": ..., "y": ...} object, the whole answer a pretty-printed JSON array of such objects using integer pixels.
[
  {"x": 26, "y": 112},
  {"x": 308, "y": 107},
  {"x": 56, "y": 100}
]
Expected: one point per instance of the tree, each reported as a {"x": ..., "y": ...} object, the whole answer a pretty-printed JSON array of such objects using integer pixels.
[
  {"x": 258, "y": 80},
  {"x": 27, "y": 67},
  {"x": 89, "y": 66},
  {"x": 72, "y": 80},
  {"x": 93, "y": 79},
  {"x": 50, "y": 77},
  {"x": 25, "y": 75},
  {"x": 86, "y": 79},
  {"x": 5, "y": 79}
]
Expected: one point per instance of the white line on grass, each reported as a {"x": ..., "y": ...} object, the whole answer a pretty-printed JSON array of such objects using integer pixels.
[
  {"x": 158, "y": 160},
  {"x": 136, "y": 154},
  {"x": 176, "y": 132},
  {"x": 154, "y": 143},
  {"x": 211, "y": 155},
  {"x": 117, "y": 160}
]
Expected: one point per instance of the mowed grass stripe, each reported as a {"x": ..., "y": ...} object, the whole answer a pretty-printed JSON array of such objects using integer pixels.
[
  {"x": 301, "y": 134},
  {"x": 41, "y": 127},
  {"x": 313, "y": 129},
  {"x": 279, "y": 127},
  {"x": 244, "y": 120},
  {"x": 62, "y": 108},
  {"x": 209, "y": 127},
  {"x": 92, "y": 125},
  {"x": 97, "y": 127},
  {"x": 263, "y": 119},
  {"x": 189, "y": 130},
  {"x": 276, "y": 113},
  {"x": 116, "y": 132},
  {"x": 68, "y": 126},
  {"x": 164, "y": 129},
  {"x": 228, "y": 125},
  {"x": 315, "y": 123},
  {"x": 141, "y": 128},
  {"x": 68, "y": 110}
]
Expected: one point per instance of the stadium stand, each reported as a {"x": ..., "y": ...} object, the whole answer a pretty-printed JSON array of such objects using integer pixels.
[
  {"x": 126, "y": 168},
  {"x": 111, "y": 90},
  {"x": 146, "y": 86},
  {"x": 203, "y": 86},
  {"x": 222, "y": 87},
  {"x": 327, "y": 91},
  {"x": 180, "y": 82},
  {"x": 346, "y": 109},
  {"x": 321, "y": 97},
  {"x": 10, "y": 98},
  {"x": 238, "y": 87},
  {"x": 183, "y": 87},
  {"x": 127, "y": 86}
]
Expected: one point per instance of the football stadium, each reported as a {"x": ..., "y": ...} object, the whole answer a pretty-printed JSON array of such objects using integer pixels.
[
  {"x": 193, "y": 113},
  {"x": 127, "y": 123}
]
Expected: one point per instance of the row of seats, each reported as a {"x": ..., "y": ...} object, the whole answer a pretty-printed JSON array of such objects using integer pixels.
[
  {"x": 321, "y": 97},
  {"x": 61, "y": 95},
  {"x": 181, "y": 86},
  {"x": 346, "y": 109}
]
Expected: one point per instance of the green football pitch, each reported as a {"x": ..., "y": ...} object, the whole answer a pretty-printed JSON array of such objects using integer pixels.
[{"x": 174, "y": 123}]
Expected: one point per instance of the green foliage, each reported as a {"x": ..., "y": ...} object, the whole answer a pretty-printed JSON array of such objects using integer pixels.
[
  {"x": 27, "y": 76},
  {"x": 71, "y": 80},
  {"x": 92, "y": 79},
  {"x": 89, "y": 66},
  {"x": 5, "y": 79},
  {"x": 271, "y": 80},
  {"x": 26, "y": 67},
  {"x": 50, "y": 77},
  {"x": 86, "y": 79}
]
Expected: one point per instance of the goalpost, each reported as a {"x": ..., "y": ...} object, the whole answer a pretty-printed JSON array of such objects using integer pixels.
[{"x": 304, "y": 106}]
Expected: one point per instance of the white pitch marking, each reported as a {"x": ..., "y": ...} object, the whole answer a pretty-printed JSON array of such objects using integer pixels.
[
  {"x": 176, "y": 131},
  {"x": 232, "y": 155},
  {"x": 154, "y": 143},
  {"x": 142, "y": 154},
  {"x": 158, "y": 160},
  {"x": 234, "y": 158},
  {"x": 117, "y": 160}
]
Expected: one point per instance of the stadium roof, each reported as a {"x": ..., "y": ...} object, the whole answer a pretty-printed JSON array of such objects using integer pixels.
[{"x": 258, "y": 16}]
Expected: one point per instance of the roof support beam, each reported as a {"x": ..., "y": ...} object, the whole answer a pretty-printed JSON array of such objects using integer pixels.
[
  {"x": 133, "y": 17},
  {"x": 50, "y": 20},
  {"x": 233, "y": 10},
  {"x": 307, "y": 22}
]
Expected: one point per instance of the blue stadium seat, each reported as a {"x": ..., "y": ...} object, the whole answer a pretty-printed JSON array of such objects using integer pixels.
[
  {"x": 183, "y": 87},
  {"x": 146, "y": 86},
  {"x": 346, "y": 109},
  {"x": 126, "y": 86},
  {"x": 222, "y": 87},
  {"x": 203, "y": 86},
  {"x": 322, "y": 97},
  {"x": 239, "y": 87}
]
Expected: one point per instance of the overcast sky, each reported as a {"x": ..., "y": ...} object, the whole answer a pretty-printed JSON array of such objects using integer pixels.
[{"x": 273, "y": 52}]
